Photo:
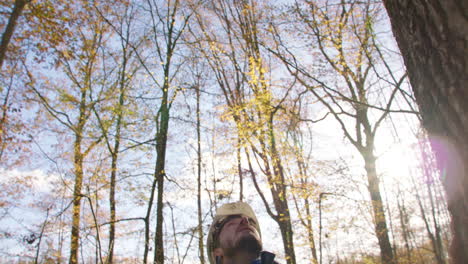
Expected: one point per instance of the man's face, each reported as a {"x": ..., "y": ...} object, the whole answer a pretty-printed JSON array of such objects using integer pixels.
[{"x": 239, "y": 234}]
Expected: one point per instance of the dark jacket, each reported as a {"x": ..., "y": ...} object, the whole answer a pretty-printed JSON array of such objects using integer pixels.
[{"x": 267, "y": 258}]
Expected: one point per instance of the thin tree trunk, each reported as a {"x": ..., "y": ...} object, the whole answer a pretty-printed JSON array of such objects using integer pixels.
[
  {"x": 160, "y": 174},
  {"x": 427, "y": 225},
  {"x": 278, "y": 190},
  {"x": 115, "y": 156},
  {"x": 77, "y": 195},
  {"x": 281, "y": 201},
  {"x": 199, "y": 193},
  {"x": 306, "y": 220},
  {"x": 429, "y": 171},
  {"x": 147, "y": 221},
  {"x": 381, "y": 229},
  {"x": 390, "y": 222},
  {"x": 10, "y": 27},
  {"x": 310, "y": 231},
  {"x": 75, "y": 231},
  {"x": 239, "y": 168},
  {"x": 284, "y": 223},
  {"x": 171, "y": 37},
  {"x": 110, "y": 255},
  {"x": 3, "y": 120},
  {"x": 404, "y": 226},
  {"x": 36, "y": 258},
  {"x": 438, "y": 247},
  {"x": 283, "y": 217}
]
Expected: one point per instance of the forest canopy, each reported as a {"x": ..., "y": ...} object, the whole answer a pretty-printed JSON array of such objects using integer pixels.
[{"x": 125, "y": 124}]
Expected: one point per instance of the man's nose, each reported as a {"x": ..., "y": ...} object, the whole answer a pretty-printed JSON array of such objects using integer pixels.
[{"x": 245, "y": 220}]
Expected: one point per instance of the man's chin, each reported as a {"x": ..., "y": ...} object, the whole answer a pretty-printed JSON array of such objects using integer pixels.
[{"x": 249, "y": 243}]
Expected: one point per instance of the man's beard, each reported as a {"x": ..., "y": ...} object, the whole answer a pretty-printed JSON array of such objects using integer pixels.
[{"x": 248, "y": 244}]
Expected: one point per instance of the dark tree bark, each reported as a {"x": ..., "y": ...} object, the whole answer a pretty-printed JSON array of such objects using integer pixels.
[
  {"x": 10, "y": 27},
  {"x": 160, "y": 174},
  {"x": 433, "y": 38}
]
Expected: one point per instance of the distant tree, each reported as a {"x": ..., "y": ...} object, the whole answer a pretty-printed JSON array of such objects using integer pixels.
[
  {"x": 303, "y": 189},
  {"x": 119, "y": 104},
  {"x": 165, "y": 25},
  {"x": 196, "y": 79},
  {"x": 433, "y": 36},
  {"x": 71, "y": 101},
  {"x": 347, "y": 75},
  {"x": 234, "y": 54}
]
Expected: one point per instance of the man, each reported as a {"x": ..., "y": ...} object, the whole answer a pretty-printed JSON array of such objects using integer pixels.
[{"x": 234, "y": 237}]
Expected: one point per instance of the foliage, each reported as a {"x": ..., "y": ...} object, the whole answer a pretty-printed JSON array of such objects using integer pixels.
[{"x": 117, "y": 116}]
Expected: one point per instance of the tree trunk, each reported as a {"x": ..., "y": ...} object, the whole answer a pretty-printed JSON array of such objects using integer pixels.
[
  {"x": 433, "y": 38},
  {"x": 308, "y": 215},
  {"x": 115, "y": 156},
  {"x": 147, "y": 221},
  {"x": 78, "y": 164},
  {"x": 199, "y": 193},
  {"x": 381, "y": 229},
  {"x": 160, "y": 174},
  {"x": 404, "y": 227},
  {"x": 3, "y": 120},
  {"x": 281, "y": 201},
  {"x": 10, "y": 28},
  {"x": 284, "y": 223},
  {"x": 434, "y": 236},
  {"x": 283, "y": 217},
  {"x": 438, "y": 246},
  {"x": 75, "y": 231},
  {"x": 239, "y": 167},
  {"x": 310, "y": 231},
  {"x": 112, "y": 207}
]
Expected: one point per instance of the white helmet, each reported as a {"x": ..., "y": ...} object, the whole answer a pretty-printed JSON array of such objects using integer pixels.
[{"x": 237, "y": 208}]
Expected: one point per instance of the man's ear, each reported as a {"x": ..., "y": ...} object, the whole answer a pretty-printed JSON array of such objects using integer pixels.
[{"x": 218, "y": 252}]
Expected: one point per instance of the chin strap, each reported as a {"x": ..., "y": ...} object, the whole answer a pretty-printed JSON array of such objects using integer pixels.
[{"x": 218, "y": 260}]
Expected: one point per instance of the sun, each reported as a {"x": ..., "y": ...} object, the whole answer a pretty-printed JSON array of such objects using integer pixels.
[{"x": 397, "y": 160}]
